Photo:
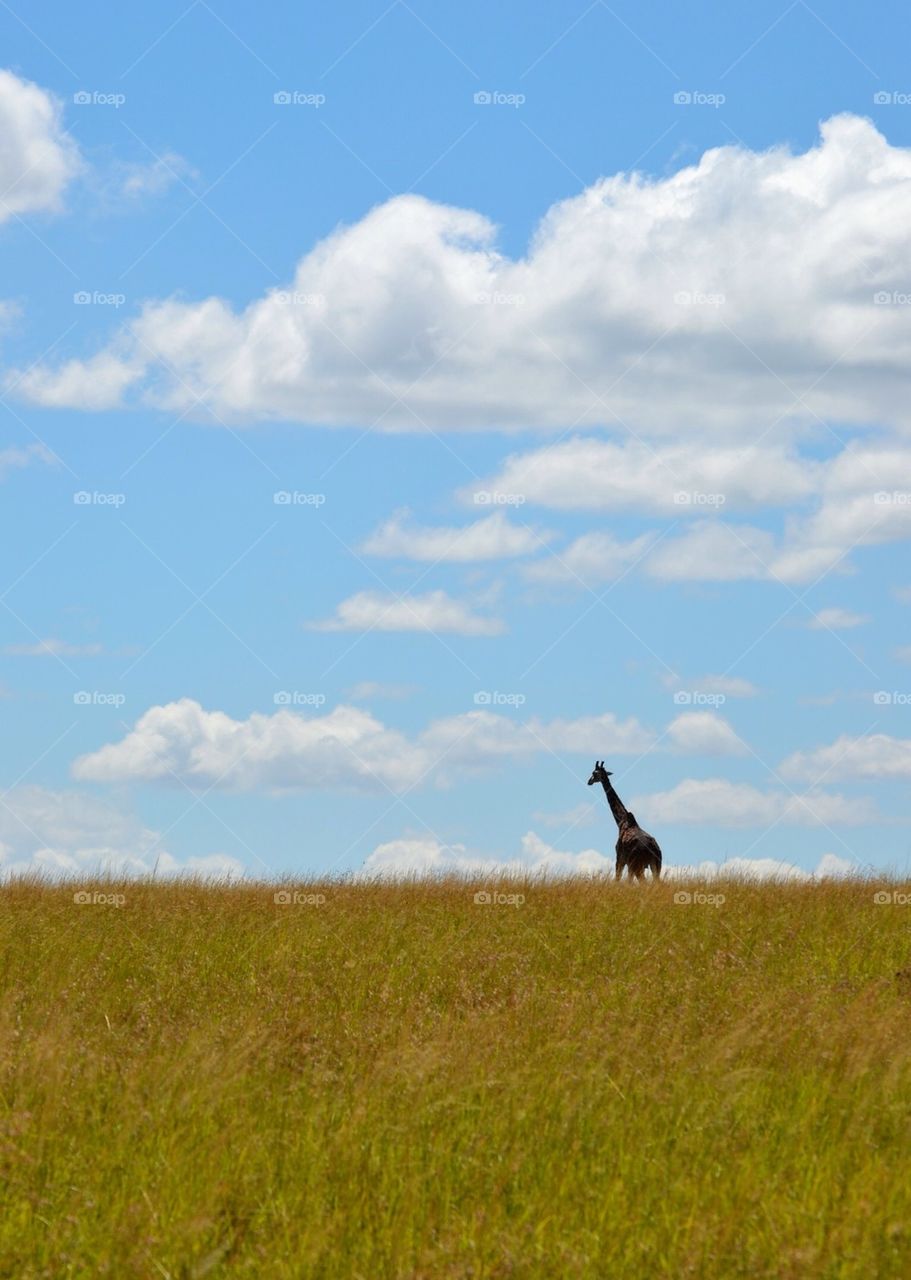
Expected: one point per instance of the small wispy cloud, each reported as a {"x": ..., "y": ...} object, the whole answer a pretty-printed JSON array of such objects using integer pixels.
[
  {"x": 729, "y": 686},
  {"x": 491, "y": 538},
  {"x": 52, "y": 648},
  {"x": 582, "y": 815},
  {"x": 367, "y": 690},
  {"x": 136, "y": 181},
  {"x": 434, "y": 611},
  {"x": 837, "y": 619},
  {"x": 592, "y": 559},
  {"x": 16, "y": 457}
]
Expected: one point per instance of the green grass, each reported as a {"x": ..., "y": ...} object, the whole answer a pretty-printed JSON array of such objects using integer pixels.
[{"x": 399, "y": 1082}]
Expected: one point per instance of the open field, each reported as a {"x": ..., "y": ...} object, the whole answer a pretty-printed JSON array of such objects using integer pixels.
[{"x": 399, "y": 1081}]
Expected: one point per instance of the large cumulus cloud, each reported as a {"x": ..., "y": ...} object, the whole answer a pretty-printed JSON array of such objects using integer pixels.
[{"x": 734, "y": 293}]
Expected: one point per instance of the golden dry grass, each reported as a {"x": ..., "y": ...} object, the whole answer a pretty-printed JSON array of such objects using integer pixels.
[{"x": 402, "y": 1082}]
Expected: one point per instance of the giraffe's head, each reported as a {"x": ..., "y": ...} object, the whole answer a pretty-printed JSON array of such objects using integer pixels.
[{"x": 599, "y": 773}]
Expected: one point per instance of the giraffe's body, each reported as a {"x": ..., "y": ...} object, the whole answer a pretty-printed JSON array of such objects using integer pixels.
[{"x": 636, "y": 850}]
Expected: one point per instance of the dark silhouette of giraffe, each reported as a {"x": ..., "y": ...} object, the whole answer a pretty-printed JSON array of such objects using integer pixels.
[{"x": 636, "y": 849}]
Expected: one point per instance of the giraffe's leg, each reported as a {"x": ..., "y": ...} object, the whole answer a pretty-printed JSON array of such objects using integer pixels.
[{"x": 618, "y": 869}]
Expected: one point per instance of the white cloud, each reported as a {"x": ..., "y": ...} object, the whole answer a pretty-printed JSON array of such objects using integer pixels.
[
  {"x": 366, "y": 690},
  {"x": 592, "y": 559},
  {"x": 97, "y": 383},
  {"x": 582, "y": 815},
  {"x": 830, "y": 865},
  {"x": 10, "y": 313},
  {"x": 704, "y": 733},
  {"x": 68, "y": 833},
  {"x": 156, "y": 177},
  {"x": 416, "y": 857},
  {"x": 52, "y": 648},
  {"x": 902, "y": 653},
  {"x": 477, "y": 738},
  {"x": 37, "y": 158},
  {"x": 349, "y": 747},
  {"x": 819, "y": 700},
  {"x": 491, "y": 538},
  {"x": 413, "y": 315},
  {"x": 426, "y": 856},
  {"x": 282, "y": 751},
  {"x": 832, "y": 507},
  {"x": 718, "y": 802},
  {"x": 589, "y": 473},
  {"x": 15, "y": 457},
  {"x": 877, "y": 755},
  {"x": 836, "y": 619},
  {"x": 434, "y": 611},
  {"x": 729, "y": 686},
  {"x": 722, "y": 551},
  {"x": 713, "y": 551}
]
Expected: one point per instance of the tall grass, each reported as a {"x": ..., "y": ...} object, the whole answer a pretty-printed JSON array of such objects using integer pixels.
[{"x": 400, "y": 1081}]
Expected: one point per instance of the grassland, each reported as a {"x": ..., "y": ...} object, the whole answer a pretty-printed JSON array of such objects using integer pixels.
[{"x": 399, "y": 1081}]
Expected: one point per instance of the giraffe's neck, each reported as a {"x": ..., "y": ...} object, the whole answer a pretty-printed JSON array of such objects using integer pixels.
[{"x": 616, "y": 804}]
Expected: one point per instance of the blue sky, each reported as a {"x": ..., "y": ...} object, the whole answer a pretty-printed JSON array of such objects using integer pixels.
[{"x": 404, "y": 405}]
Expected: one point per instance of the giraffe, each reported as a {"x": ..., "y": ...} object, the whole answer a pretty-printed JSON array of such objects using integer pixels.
[{"x": 636, "y": 849}]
